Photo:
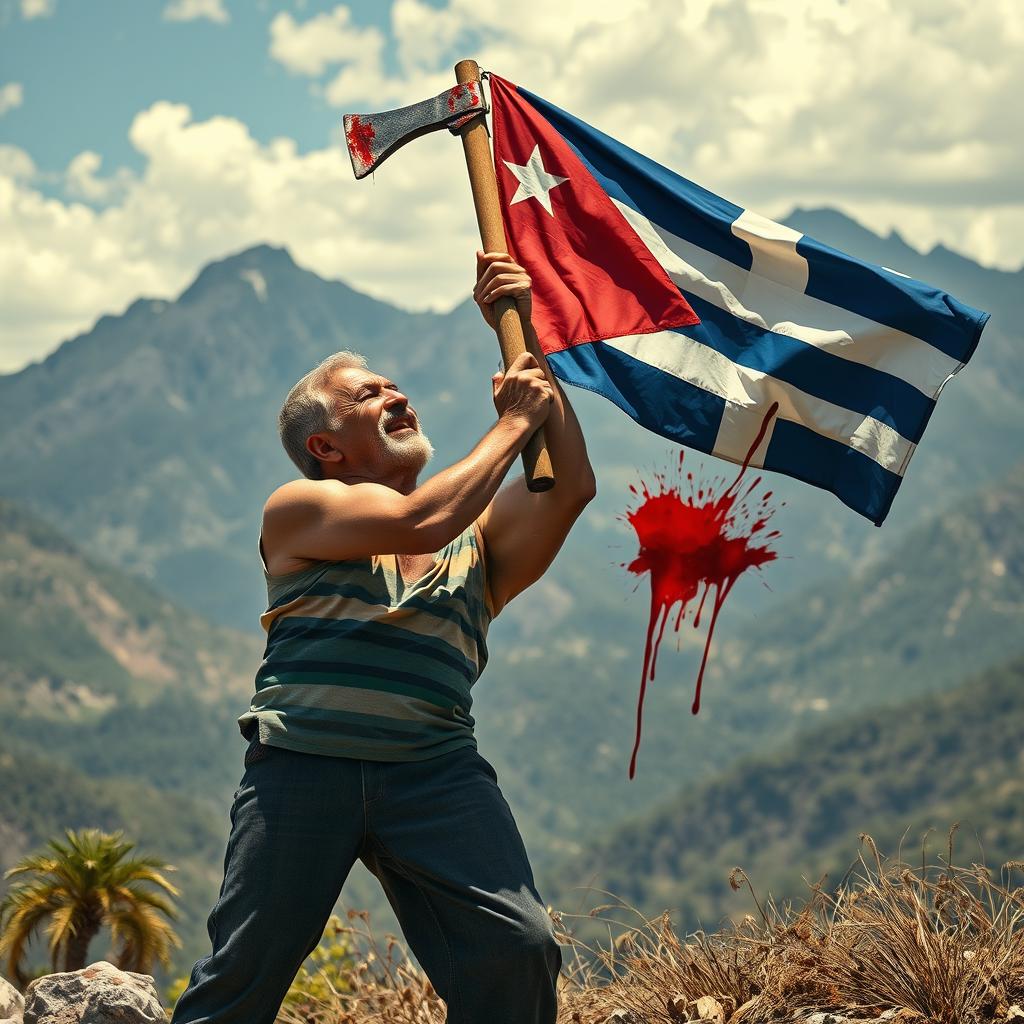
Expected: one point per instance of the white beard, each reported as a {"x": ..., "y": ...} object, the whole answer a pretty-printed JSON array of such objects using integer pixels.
[{"x": 409, "y": 450}]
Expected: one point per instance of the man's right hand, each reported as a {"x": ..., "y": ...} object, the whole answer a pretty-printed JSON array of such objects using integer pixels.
[{"x": 523, "y": 393}]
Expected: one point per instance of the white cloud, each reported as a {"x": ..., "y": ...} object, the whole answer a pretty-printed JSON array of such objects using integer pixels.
[
  {"x": 11, "y": 96},
  {"x": 81, "y": 180},
  {"x": 902, "y": 113},
  {"x": 325, "y": 39},
  {"x": 15, "y": 165},
  {"x": 38, "y": 8},
  {"x": 190, "y": 10},
  {"x": 908, "y": 105},
  {"x": 209, "y": 188}
]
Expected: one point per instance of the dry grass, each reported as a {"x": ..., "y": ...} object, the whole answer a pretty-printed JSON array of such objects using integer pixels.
[
  {"x": 940, "y": 942},
  {"x": 381, "y": 986}
]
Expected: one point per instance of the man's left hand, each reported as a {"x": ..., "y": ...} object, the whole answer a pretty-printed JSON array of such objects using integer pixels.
[{"x": 497, "y": 275}]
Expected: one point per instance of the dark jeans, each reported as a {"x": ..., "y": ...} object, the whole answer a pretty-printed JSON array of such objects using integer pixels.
[{"x": 438, "y": 835}]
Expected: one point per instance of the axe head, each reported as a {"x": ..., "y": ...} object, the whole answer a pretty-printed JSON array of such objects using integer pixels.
[{"x": 372, "y": 138}]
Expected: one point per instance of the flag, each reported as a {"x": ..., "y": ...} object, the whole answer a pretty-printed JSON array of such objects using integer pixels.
[{"x": 694, "y": 315}]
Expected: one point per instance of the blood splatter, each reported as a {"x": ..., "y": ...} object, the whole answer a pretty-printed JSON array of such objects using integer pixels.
[
  {"x": 700, "y": 541},
  {"x": 360, "y": 135},
  {"x": 454, "y": 95}
]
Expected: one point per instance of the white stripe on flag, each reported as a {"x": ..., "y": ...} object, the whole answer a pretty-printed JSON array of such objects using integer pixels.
[
  {"x": 773, "y": 248},
  {"x": 736, "y": 432},
  {"x": 748, "y": 389},
  {"x": 771, "y": 296}
]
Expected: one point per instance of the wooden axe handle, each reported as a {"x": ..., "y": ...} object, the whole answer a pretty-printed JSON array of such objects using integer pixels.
[{"x": 536, "y": 461}]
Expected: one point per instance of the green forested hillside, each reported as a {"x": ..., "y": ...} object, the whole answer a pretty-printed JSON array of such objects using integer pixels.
[
  {"x": 80, "y": 637},
  {"x": 795, "y": 814},
  {"x": 165, "y": 776},
  {"x": 160, "y": 756},
  {"x": 556, "y": 721},
  {"x": 41, "y": 795},
  {"x": 118, "y": 711}
]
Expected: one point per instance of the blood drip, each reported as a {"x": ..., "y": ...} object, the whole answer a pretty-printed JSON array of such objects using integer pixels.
[
  {"x": 700, "y": 541},
  {"x": 360, "y": 136}
]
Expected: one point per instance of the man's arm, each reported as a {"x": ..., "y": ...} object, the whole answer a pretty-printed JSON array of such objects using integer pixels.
[
  {"x": 523, "y": 531},
  {"x": 331, "y": 520}
]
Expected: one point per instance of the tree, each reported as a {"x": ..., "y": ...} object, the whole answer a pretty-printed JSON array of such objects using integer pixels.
[{"x": 75, "y": 889}]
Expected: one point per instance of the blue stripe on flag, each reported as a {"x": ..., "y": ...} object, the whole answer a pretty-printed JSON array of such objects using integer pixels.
[
  {"x": 857, "y": 480},
  {"x": 657, "y": 400},
  {"x": 844, "y": 383},
  {"x": 672, "y": 408},
  {"x": 667, "y": 198},
  {"x": 910, "y": 306},
  {"x": 693, "y": 213}
]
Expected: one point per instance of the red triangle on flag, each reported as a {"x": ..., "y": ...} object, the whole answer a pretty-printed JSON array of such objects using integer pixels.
[{"x": 593, "y": 277}]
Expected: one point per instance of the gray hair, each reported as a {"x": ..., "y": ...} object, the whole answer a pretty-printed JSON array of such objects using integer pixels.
[{"x": 309, "y": 409}]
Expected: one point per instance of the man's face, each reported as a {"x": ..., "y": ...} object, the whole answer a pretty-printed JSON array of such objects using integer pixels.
[{"x": 379, "y": 429}]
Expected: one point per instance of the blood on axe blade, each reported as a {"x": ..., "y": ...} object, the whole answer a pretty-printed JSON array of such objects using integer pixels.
[{"x": 372, "y": 138}]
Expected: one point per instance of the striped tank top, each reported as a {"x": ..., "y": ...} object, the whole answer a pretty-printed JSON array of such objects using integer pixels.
[{"x": 361, "y": 664}]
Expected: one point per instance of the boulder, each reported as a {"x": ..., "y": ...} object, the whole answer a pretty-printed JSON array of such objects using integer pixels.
[
  {"x": 12, "y": 1003},
  {"x": 99, "y": 994}
]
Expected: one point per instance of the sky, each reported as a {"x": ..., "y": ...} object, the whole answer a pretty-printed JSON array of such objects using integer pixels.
[{"x": 141, "y": 139}]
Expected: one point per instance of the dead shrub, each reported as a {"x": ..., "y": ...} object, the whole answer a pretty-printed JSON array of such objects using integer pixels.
[{"x": 944, "y": 942}]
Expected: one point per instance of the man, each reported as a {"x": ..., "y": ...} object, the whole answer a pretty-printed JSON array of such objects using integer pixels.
[{"x": 361, "y": 740}]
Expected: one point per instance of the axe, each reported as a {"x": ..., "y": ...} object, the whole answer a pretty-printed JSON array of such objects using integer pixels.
[{"x": 372, "y": 138}]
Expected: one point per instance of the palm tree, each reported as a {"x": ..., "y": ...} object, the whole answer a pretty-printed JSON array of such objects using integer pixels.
[{"x": 81, "y": 886}]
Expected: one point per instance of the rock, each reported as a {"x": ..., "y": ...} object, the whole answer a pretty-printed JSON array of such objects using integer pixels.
[
  {"x": 99, "y": 994},
  {"x": 709, "y": 1008},
  {"x": 12, "y": 1003},
  {"x": 893, "y": 1016}
]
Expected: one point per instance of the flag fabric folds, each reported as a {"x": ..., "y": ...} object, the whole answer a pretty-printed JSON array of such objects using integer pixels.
[{"x": 694, "y": 315}]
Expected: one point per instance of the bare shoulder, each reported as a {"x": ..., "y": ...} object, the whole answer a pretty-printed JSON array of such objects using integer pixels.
[
  {"x": 290, "y": 509},
  {"x": 297, "y": 497},
  {"x": 306, "y": 521}
]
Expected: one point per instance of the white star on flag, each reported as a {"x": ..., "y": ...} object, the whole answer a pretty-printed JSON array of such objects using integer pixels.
[{"x": 534, "y": 181}]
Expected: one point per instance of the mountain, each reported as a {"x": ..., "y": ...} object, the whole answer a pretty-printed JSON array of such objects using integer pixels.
[
  {"x": 80, "y": 638},
  {"x": 148, "y": 445},
  {"x": 791, "y": 816},
  {"x": 167, "y": 449},
  {"x": 105, "y": 669},
  {"x": 152, "y": 438},
  {"x": 557, "y": 721}
]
